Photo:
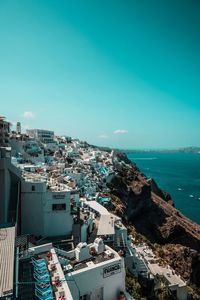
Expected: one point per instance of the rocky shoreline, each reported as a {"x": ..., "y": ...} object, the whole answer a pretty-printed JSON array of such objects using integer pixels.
[{"x": 151, "y": 212}]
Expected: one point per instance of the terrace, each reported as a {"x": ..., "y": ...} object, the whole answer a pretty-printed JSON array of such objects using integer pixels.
[
  {"x": 46, "y": 277},
  {"x": 169, "y": 274},
  {"x": 48, "y": 268},
  {"x": 92, "y": 261}
]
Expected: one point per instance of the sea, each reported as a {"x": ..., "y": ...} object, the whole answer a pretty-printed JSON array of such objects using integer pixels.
[{"x": 177, "y": 173}]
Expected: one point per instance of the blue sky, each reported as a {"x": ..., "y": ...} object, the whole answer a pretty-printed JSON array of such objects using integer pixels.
[{"x": 117, "y": 73}]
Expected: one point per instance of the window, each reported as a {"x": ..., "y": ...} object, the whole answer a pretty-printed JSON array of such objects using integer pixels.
[
  {"x": 33, "y": 188},
  {"x": 174, "y": 293},
  {"x": 85, "y": 297},
  {"x": 60, "y": 206}
]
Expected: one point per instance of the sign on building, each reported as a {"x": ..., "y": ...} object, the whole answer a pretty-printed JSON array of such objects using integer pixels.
[{"x": 111, "y": 270}]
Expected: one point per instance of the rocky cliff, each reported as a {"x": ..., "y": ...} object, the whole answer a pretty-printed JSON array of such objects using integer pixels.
[{"x": 151, "y": 211}]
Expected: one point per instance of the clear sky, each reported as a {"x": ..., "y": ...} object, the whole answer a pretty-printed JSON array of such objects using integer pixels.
[{"x": 117, "y": 73}]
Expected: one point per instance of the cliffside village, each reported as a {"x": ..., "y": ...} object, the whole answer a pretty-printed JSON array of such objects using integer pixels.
[{"x": 58, "y": 238}]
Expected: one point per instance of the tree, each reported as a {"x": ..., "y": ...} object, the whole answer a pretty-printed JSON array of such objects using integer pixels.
[
  {"x": 164, "y": 292},
  {"x": 133, "y": 286}
]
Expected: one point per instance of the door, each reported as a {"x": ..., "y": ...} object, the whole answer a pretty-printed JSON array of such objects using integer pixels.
[{"x": 99, "y": 293}]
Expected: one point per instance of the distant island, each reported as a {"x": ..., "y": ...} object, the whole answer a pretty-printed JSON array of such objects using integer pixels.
[{"x": 181, "y": 149}]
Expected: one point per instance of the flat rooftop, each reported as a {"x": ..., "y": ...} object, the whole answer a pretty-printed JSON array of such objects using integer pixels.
[
  {"x": 97, "y": 207},
  {"x": 73, "y": 265},
  {"x": 155, "y": 268},
  {"x": 106, "y": 221},
  {"x": 62, "y": 264},
  {"x": 34, "y": 177},
  {"x": 106, "y": 225},
  {"x": 145, "y": 252},
  {"x": 168, "y": 273}
]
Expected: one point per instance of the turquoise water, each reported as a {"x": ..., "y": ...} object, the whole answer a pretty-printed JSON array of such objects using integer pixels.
[
  {"x": 104, "y": 200},
  {"x": 104, "y": 170},
  {"x": 178, "y": 174}
]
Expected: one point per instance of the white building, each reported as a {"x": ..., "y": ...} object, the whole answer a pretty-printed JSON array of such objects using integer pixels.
[
  {"x": 4, "y": 131},
  {"x": 95, "y": 271},
  {"x": 171, "y": 279},
  {"x": 87, "y": 227},
  {"x": 136, "y": 264},
  {"x": 28, "y": 148},
  {"x": 44, "y": 136},
  {"x": 18, "y": 127},
  {"x": 109, "y": 225},
  {"x": 43, "y": 211},
  {"x": 89, "y": 272},
  {"x": 145, "y": 263}
]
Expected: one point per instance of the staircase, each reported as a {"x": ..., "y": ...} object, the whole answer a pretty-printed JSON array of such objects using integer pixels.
[{"x": 119, "y": 241}]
